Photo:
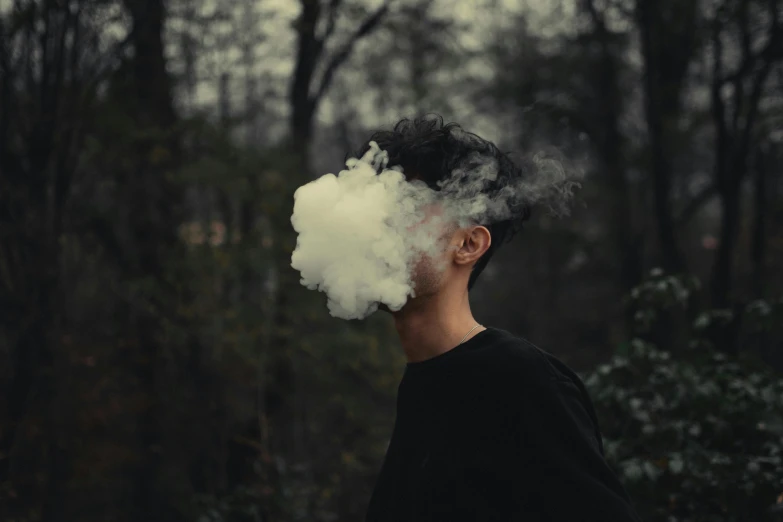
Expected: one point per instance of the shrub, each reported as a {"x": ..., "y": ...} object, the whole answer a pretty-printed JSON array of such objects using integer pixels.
[{"x": 695, "y": 435}]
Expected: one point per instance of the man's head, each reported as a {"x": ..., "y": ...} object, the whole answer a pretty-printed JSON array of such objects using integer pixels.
[{"x": 430, "y": 151}]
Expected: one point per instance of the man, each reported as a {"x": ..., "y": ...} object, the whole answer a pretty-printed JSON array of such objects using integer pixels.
[{"x": 488, "y": 427}]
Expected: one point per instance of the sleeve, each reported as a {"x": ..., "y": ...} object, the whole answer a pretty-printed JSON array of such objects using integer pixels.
[{"x": 567, "y": 476}]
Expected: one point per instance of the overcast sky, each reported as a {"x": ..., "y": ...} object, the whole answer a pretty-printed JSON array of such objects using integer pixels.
[
  {"x": 274, "y": 62},
  {"x": 269, "y": 27}
]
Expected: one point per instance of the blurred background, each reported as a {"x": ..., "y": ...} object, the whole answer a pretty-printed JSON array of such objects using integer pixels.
[{"x": 159, "y": 360}]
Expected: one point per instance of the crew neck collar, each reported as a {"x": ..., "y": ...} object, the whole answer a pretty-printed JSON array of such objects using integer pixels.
[{"x": 438, "y": 359}]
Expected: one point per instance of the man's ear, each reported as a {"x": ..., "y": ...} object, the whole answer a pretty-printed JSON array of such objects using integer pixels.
[{"x": 474, "y": 242}]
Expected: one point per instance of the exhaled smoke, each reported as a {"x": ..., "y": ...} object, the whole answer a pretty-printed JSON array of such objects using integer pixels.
[
  {"x": 360, "y": 232},
  {"x": 352, "y": 241},
  {"x": 476, "y": 194}
]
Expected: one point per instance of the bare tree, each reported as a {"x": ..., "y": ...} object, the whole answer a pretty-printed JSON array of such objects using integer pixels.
[
  {"x": 762, "y": 164},
  {"x": 315, "y": 30},
  {"x": 669, "y": 31},
  {"x": 315, "y": 34},
  {"x": 49, "y": 74},
  {"x": 611, "y": 144},
  {"x": 736, "y": 96},
  {"x": 153, "y": 233}
]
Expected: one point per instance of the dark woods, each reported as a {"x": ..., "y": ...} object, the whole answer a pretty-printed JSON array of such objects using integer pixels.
[{"x": 159, "y": 359}]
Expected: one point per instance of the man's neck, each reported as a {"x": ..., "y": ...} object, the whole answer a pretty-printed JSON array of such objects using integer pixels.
[{"x": 434, "y": 325}]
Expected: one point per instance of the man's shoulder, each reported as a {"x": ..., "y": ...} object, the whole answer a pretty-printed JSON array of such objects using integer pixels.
[{"x": 527, "y": 364}]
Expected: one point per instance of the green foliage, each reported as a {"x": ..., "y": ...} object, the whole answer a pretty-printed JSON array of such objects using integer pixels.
[
  {"x": 695, "y": 435},
  {"x": 318, "y": 457},
  {"x": 151, "y": 314}
]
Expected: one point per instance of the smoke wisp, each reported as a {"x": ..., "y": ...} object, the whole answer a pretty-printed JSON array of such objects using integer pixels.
[{"x": 361, "y": 231}]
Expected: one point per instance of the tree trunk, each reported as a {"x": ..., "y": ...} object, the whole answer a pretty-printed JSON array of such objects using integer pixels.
[
  {"x": 759, "y": 245},
  {"x": 735, "y": 134},
  {"x": 280, "y": 390},
  {"x": 721, "y": 280},
  {"x": 668, "y": 39},
  {"x": 153, "y": 229},
  {"x": 611, "y": 146},
  {"x": 36, "y": 168},
  {"x": 151, "y": 80},
  {"x": 303, "y": 104},
  {"x": 725, "y": 337}
]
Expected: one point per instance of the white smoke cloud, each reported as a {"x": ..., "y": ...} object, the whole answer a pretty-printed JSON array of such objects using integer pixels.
[
  {"x": 352, "y": 241},
  {"x": 361, "y": 231}
]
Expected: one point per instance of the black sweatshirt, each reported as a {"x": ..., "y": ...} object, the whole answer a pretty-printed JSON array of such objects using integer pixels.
[{"x": 496, "y": 429}]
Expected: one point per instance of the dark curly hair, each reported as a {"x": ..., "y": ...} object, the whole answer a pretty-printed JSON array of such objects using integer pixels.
[{"x": 429, "y": 150}]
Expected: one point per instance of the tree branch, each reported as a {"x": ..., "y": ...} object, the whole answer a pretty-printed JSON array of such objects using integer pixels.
[
  {"x": 622, "y": 8},
  {"x": 597, "y": 19},
  {"x": 334, "y": 6},
  {"x": 718, "y": 106},
  {"x": 771, "y": 52},
  {"x": 6, "y": 81},
  {"x": 367, "y": 27},
  {"x": 750, "y": 104},
  {"x": 693, "y": 206},
  {"x": 753, "y": 109},
  {"x": 747, "y": 55}
]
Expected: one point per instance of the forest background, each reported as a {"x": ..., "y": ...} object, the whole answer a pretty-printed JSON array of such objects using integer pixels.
[{"x": 159, "y": 360}]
